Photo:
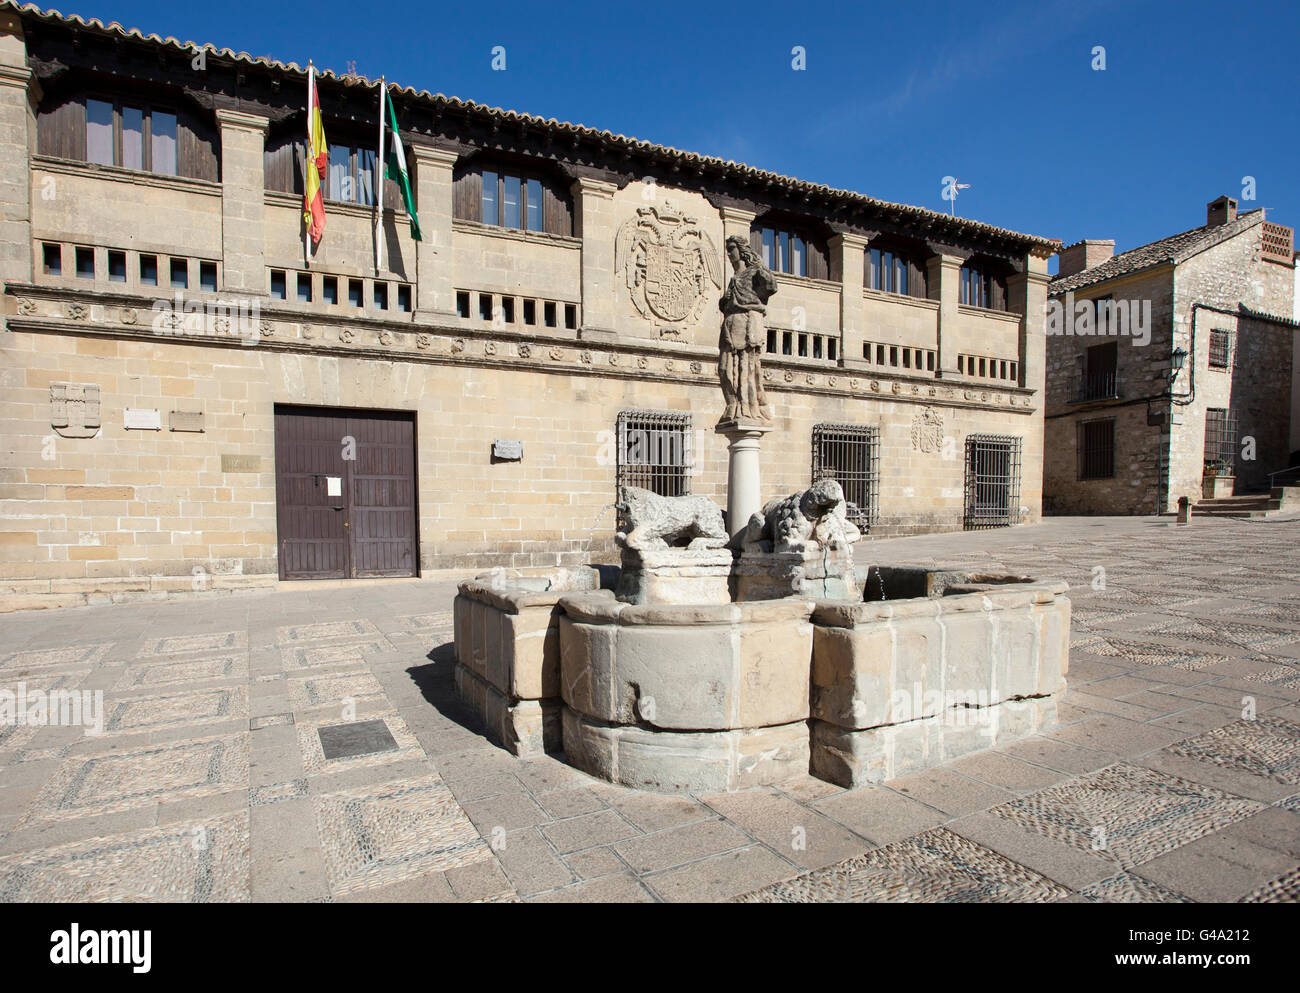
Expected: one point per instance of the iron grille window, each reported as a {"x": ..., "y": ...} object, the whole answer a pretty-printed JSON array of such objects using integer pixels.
[
  {"x": 654, "y": 451},
  {"x": 1220, "y": 437},
  {"x": 1219, "y": 348},
  {"x": 1097, "y": 449},
  {"x": 850, "y": 454},
  {"x": 992, "y": 481}
]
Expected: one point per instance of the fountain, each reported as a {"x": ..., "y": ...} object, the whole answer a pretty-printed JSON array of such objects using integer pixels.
[{"x": 742, "y": 651}]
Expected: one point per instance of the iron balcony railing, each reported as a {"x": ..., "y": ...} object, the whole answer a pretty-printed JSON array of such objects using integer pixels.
[{"x": 1096, "y": 386}]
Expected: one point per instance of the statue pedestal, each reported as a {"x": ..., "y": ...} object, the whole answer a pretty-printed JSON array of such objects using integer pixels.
[
  {"x": 824, "y": 573},
  {"x": 744, "y": 497},
  {"x": 675, "y": 576}
]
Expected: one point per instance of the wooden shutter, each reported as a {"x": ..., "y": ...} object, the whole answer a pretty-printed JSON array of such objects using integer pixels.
[
  {"x": 61, "y": 129},
  {"x": 557, "y": 211},
  {"x": 817, "y": 267},
  {"x": 467, "y": 196},
  {"x": 999, "y": 301},
  {"x": 392, "y": 191},
  {"x": 756, "y": 241},
  {"x": 282, "y": 164},
  {"x": 915, "y": 279},
  {"x": 197, "y": 152}
]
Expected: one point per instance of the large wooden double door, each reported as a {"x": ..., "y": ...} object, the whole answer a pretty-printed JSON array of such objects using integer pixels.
[{"x": 345, "y": 493}]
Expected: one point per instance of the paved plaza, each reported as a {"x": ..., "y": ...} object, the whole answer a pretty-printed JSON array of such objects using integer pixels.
[{"x": 1174, "y": 773}]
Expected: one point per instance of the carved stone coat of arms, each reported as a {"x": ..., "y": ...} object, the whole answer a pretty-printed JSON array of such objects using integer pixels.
[{"x": 667, "y": 262}]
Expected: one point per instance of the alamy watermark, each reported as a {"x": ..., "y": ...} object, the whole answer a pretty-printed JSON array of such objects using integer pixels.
[
  {"x": 1086, "y": 318},
  {"x": 239, "y": 317},
  {"x": 53, "y": 708}
]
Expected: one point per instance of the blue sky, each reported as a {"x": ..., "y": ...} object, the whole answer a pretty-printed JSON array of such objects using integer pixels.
[{"x": 1194, "y": 97}]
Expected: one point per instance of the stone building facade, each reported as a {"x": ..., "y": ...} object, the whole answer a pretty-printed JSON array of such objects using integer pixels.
[
  {"x": 188, "y": 405},
  {"x": 1128, "y": 429}
]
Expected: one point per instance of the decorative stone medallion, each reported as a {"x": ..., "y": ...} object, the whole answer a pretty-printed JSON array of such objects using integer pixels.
[{"x": 26, "y": 307}]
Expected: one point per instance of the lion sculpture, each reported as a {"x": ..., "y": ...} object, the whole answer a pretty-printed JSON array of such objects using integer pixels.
[
  {"x": 804, "y": 521},
  {"x": 655, "y": 521}
]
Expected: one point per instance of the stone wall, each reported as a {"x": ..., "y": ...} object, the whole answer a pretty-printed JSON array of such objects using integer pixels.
[
  {"x": 1155, "y": 464},
  {"x": 132, "y": 504},
  {"x": 1141, "y": 373}
]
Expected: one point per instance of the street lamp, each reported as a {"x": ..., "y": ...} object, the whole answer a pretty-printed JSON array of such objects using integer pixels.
[{"x": 1176, "y": 364}]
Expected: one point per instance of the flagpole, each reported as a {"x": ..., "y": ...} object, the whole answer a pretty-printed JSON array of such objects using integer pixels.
[
  {"x": 308, "y": 163},
  {"x": 379, "y": 183}
]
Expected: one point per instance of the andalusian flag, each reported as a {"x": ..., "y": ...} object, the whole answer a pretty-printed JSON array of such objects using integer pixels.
[
  {"x": 395, "y": 169},
  {"x": 317, "y": 162},
  {"x": 397, "y": 172}
]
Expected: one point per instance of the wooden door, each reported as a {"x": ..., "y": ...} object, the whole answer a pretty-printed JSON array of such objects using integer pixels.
[{"x": 345, "y": 493}]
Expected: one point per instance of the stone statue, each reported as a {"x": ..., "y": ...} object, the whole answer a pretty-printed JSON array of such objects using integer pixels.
[
  {"x": 803, "y": 522},
  {"x": 655, "y": 521},
  {"x": 744, "y": 334}
]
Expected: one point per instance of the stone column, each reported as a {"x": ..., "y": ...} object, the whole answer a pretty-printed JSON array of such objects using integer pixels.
[
  {"x": 16, "y": 129},
  {"x": 596, "y": 227},
  {"x": 848, "y": 265},
  {"x": 243, "y": 201},
  {"x": 1027, "y": 296},
  {"x": 434, "y": 289},
  {"x": 737, "y": 221},
  {"x": 744, "y": 489},
  {"x": 943, "y": 272}
]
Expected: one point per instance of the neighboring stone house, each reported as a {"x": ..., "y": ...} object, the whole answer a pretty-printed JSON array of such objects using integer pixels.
[
  {"x": 188, "y": 405},
  {"x": 1168, "y": 363}
]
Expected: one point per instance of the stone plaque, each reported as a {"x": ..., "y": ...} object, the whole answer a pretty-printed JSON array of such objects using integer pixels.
[
  {"x": 142, "y": 419},
  {"x": 74, "y": 409},
  {"x": 511, "y": 451},
  {"x": 345, "y": 741},
  {"x": 241, "y": 463},
  {"x": 187, "y": 420}
]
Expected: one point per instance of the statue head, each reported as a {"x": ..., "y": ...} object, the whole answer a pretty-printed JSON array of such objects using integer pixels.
[{"x": 744, "y": 255}]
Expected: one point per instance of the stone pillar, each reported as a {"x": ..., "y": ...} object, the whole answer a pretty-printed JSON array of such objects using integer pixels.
[
  {"x": 434, "y": 289},
  {"x": 744, "y": 489},
  {"x": 596, "y": 227},
  {"x": 243, "y": 201},
  {"x": 1027, "y": 296},
  {"x": 943, "y": 272},
  {"x": 848, "y": 265},
  {"x": 16, "y": 129},
  {"x": 737, "y": 221}
]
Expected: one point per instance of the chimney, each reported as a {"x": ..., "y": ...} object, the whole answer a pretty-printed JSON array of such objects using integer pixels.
[
  {"x": 1084, "y": 255},
  {"x": 1220, "y": 211}
]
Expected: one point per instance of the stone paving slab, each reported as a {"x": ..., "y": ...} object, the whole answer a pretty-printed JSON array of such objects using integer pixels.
[{"x": 1174, "y": 773}]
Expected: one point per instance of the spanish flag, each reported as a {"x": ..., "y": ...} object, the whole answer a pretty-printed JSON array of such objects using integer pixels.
[{"x": 317, "y": 161}]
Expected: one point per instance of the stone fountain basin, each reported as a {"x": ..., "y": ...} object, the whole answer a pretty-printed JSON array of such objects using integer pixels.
[
  {"x": 508, "y": 652},
  {"x": 686, "y": 668},
  {"x": 902, "y": 685},
  {"x": 703, "y": 698}
]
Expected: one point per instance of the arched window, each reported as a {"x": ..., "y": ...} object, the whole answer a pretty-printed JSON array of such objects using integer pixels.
[
  {"x": 789, "y": 246},
  {"x": 512, "y": 194}
]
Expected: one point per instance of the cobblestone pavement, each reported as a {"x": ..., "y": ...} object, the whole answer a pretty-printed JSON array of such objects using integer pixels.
[{"x": 1174, "y": 774}]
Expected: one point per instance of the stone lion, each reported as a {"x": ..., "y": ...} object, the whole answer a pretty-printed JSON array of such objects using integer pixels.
[
  {"x": 804, "y": 521},
  {"x": 655, "y": 521}
]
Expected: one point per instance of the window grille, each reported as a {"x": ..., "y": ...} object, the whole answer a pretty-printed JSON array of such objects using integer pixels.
[
  {"x": 1097, "y": 449},
  {"x": 850, "y": 454},
  {"x": 1220, "y": 347},
  {"x": 654, "y": 451},
  {"x": 1220, "y": 437},
  {"x": 992, "y": 481}
]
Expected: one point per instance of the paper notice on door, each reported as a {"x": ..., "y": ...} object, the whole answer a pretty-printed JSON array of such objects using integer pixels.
[{"x": 334, "y": 485}]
